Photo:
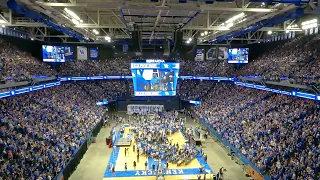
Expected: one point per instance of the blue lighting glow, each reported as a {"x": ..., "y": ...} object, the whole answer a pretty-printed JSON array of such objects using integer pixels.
[{"x": 27, "y": 89}]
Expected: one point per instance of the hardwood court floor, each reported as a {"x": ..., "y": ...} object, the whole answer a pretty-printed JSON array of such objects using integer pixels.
[
  {"x": 186, "y": 177},
  {"x": 94, "y": 163},
  {"x": 119, "y": 158},
  {"x": 132, "y": 156}
]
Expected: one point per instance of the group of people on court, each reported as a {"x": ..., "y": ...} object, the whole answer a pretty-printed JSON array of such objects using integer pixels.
[{"x": 151, "y": 137}]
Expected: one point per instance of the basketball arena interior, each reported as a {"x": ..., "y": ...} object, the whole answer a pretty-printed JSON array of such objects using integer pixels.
[{"x": 159, "y": 89}]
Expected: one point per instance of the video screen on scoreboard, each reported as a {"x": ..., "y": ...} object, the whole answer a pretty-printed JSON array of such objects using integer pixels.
[
  {"x": 238, "y": 55},
  {"x": 155, "y": 79},
  {"x": 53, "y": 53}
]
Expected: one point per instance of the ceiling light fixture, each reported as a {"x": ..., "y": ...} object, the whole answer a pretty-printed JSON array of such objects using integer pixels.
[
  {"x": 76, "y": 22},
  {"x": 72, "y": 14}
]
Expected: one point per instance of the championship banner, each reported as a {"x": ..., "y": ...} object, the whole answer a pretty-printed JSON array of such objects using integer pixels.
[
  {"x": 69, "y": 52},
  {"x": 144, "y": 109},
  {"x": 211, "y": 54},
  {"x": 82, "y": 53},
  {"x": 12, "y": 32},
  {"x": 125, "y": 48},
  {"x": 223, "y": 53},
  {"x": 94, "y": 53},
  {"x": 199, "y": 55}
]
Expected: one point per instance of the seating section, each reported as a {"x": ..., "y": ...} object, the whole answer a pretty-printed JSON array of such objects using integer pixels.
[
  {"x": 279, "y": 134},
  {"x": 18, "y": 65},
  {"x": 206, "y": 68},
  {"x": 41, "y": 131},
  {"x": 115, "y": 66},
  {"x": 193, "y": 89},
  {"x": 100, "y": 90},
  {"x": 295, "y": 59}
]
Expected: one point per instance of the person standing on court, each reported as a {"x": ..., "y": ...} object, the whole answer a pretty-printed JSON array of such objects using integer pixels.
[
  {"x": 205, "y": 157},
  {"x": 125, "y": 152},
  {"x": 137, "y": 157},
  {"x": 125, "y": 166},
  {"x": 134, "y": 165},
  {"x": 146, "y": 165},
  {"x": 134, "y": 147},
  {"x": 153, "y": 167},
  {"x": 167, "y": 166},
  {"x": 109, "y": 167},
  {"x": 113, "y": 171},
  {"x": 199, "y": 176}
]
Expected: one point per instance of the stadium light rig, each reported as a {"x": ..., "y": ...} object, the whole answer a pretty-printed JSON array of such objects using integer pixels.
[
  {"x": 95, "y": 31},
  {"x": 269, "y": 32},
  {"x": 75, "y": 18},
  {"x": 107, "y": 38},
  {"x": 234, "y": 18},
  {"x": 232, "y": 21},
  {"x": 309, "y": 24}
]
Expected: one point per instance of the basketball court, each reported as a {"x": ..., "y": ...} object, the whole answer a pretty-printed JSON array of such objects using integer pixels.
[{"x": 118, "y": 160}]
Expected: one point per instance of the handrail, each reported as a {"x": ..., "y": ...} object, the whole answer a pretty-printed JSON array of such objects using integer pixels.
[{"x": 234, "y": 149}]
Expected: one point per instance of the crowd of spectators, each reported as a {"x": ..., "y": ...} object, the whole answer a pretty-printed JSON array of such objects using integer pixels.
[
  {"x": 278, "y": 133},
  {"x": 113, "y": 66},
  {"x": 105, "y": 89},
  {"x": 205, "y": 68},
  {"x": 193, "y": 89},
  {"x": 295, "y": 60},
  {"x": 40, "y": 131},
  {"x": 19, "y": 65}
]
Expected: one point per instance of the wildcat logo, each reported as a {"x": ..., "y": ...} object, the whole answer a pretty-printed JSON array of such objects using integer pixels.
[{"x": 81, "y": 51}]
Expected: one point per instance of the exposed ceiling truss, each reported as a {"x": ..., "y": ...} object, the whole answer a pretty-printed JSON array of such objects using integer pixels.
[{"x": 116, "y": 18}]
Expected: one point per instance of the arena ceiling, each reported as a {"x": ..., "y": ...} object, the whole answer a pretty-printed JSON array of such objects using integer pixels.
[{"x": 156, "y": 20}]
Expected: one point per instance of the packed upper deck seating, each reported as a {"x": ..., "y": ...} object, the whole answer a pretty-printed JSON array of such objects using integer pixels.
[
  {"x": 113, "y": 66},
  {"x": 295, "y": 59},
  {"x": 278, "y": 133},
  {"x": 40, "y": 131},
  {"x": 205, "y": 68},
  {"x": 105, "y": 89},
  {"x": 19, "y": 65},
  {"x": 193, "y": 89}
]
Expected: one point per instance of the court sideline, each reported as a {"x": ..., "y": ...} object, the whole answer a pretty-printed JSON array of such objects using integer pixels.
[{"x": 94, "y": 162}]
